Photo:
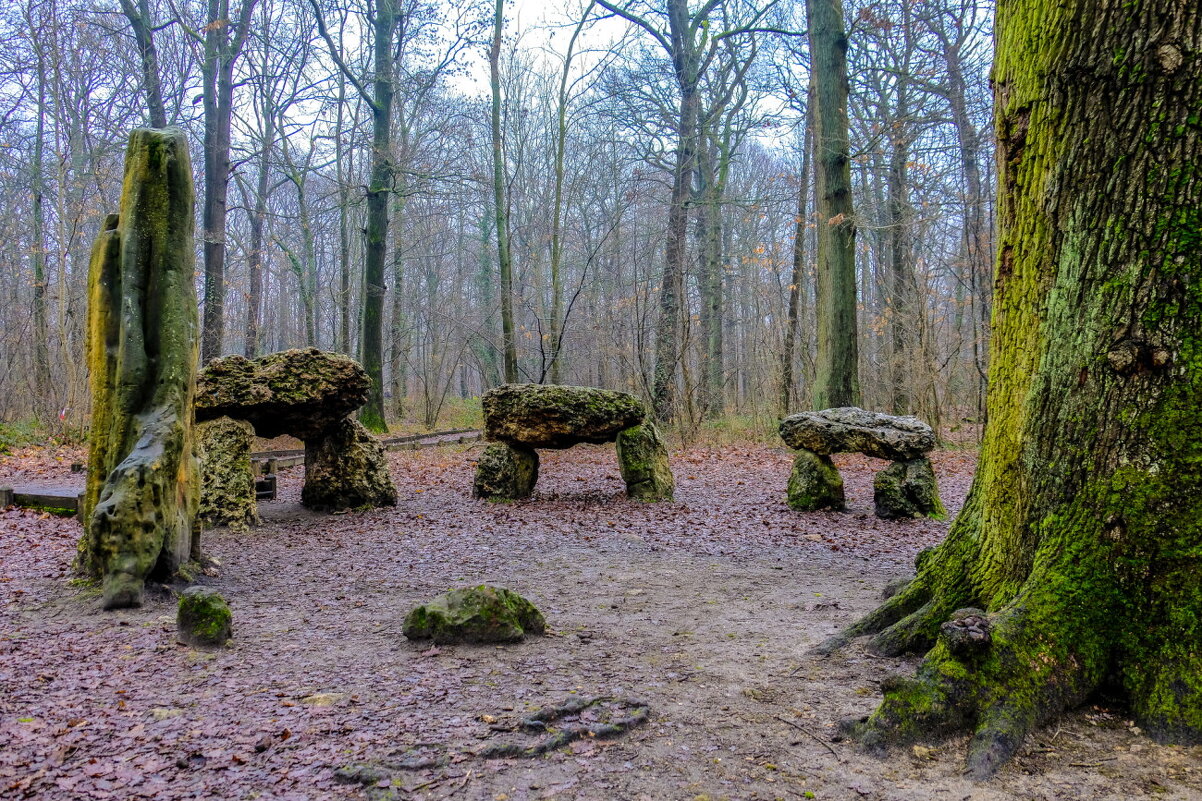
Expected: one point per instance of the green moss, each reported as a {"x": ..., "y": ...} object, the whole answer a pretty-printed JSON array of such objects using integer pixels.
[
  {"x": 643, "y": 462},
  {"x": 481, "y": 614},
  {"x": 814, "y": 483},
  {"x": 204, "y": 618}
]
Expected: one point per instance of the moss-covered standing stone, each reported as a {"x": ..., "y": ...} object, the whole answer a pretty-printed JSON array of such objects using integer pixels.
[
  {"x": 482, "y": 614},
  {"x": 142, "y": 491},
  {"x": 204, "y": 619},
  {"x": 643, "y": 461},
  {"x": 505, "y": 473},
  {"x": 346, "y": 468},
  {"x": 907, "y": 489},
  {"x": 227, "y": 486},
  {"x": 553, "y": 416},
  {"x": 815, "y": 483}
]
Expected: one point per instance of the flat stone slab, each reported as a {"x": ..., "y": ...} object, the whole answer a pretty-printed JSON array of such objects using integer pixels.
[
  {"x": 853, "y": 430},
  {"x": 553, "y": 416},
  {"x": 299, "y": 392}
]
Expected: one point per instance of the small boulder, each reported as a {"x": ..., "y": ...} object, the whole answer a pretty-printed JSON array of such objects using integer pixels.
[
  {"x": 346, "y": 468},
  {"x": 907, "y": 489},
  {"x": 296, "y": 392},
  {"x": 815, "y": 483},
  {"x": 505, "y": 473},
  {"x": 227, "y": 479},
  {"x": 852, "y": 430},
  {"x": 204, "y": 618},
  {"x": 483, "y": 614},
  {"x": 643, "y": 461},
  {"x": 553, "y": 416}
]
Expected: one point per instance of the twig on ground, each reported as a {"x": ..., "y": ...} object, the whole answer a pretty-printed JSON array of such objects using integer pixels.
[{"x": 811, "y": 735}]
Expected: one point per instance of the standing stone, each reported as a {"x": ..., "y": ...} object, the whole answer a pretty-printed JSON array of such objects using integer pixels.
[
  {"x": 505, "y": 473},
  {"x": 204, "y": 619},
  {"x": 227, "y": 484},
  {"x": 142, "y": 490},
  {"x": 907, "y": 489},
  {"x": 643, "y": 460},
  {"x": 815, "y": 483},
  {"x": 346, "y": 468}
]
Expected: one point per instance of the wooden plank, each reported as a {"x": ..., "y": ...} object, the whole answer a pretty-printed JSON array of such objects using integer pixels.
[
  {"x": 6, "y": 497},
  {"x": 48, "y": 497}
]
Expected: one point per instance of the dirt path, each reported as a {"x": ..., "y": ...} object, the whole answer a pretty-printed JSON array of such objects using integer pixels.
[{"x": 704, "y": 609}]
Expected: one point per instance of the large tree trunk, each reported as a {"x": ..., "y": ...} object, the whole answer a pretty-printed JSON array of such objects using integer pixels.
[
  {"x": 836, "y": 382},
  {"x": 372, "y": 351},
  {"x": 1081, "y": 539}
]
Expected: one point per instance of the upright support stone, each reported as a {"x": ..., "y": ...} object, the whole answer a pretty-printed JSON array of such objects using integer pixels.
[
  {"x": 505, "y": 472},
  {"x": 346, "y": 468},
  {"x": 815, "y": 483},
  {"x": 142, "y": 490},
  {"x": 643, "y": 461},
  {"x": 227, "y": 486},
  {"x": 907, "y": 489}
]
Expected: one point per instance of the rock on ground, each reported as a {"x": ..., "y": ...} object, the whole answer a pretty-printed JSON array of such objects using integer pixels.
[
  {"x": 227, "y": 485},
  {"x": 483, "y": 614},
  {"x": 346, "y": 468},
  {"x": 505, "y": 473},
  {"x": 853, "y": 430},
  {"x": 204, "y": 619},
  {"x": 553, "y": 416},
  {"x": 296, "y": 392}
]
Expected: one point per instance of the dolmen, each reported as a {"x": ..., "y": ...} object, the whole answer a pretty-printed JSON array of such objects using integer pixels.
[
  {"x": 308, "y": 394},
  {"x": 521, "y": 418},
  {"x": 906, "y": 488}
]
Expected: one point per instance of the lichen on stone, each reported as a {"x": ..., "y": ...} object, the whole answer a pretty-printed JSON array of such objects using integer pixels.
[
  {"x": 481, "y": 614},
  {"x": 505, "y": 473},
  {"x": 814, "y": 483},
  {"x": 643, "y": 462},
  {"x": 227, "y": 486}
]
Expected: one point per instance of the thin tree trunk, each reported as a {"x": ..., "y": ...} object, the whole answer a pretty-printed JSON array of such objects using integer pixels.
[
  {"x": 143, "y": 29},
  {"x": 797, "y": 288},
  {"x": 500, "y": 207}
]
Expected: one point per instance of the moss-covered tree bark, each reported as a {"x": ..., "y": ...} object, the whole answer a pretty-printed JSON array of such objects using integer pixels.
[
  {"x": 142, "y": 490},
  {"x": 1082, "y": 537}
]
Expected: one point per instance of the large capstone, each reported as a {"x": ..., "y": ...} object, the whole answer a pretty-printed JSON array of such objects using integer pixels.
[
  {"x": 297, "y": 392},
  {"x": 853, "y": 430},
  {"x": 815, "y": 483},
  {"x": 345, "y": 468},
  {"x": 907, "y": 489},
  {"x": 227, "y": 485},
  {"x": 643, "y": 461},
  {"x": 139, "y": 508},
  {"x": 552, "y": 416},
  {"x": 505, "y": 473},
  {"x": 483, "y": 614}
]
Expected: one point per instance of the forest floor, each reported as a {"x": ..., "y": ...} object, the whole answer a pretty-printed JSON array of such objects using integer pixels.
[{"x": 704, "y": 609}]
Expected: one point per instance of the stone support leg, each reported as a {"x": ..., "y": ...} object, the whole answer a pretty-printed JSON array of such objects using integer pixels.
[
  {"x": 345, "y": 469},
  {"x": 815, "y": 483},
  {"x": 643, "y": 460},
  {"x": 907, "y": 489},
  {"x": 505, "y": 473}
]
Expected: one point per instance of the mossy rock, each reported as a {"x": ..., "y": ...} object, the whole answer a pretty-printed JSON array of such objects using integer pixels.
[
  {"x": 643, "y": 461},
  {"x": 346, "y": 468},
  {"x": 907, "y": 489},
  {"x": 815, "y": 483},
  {"x": 483, "y": 614},
  {"x": 505, "y": 473},
  {"x": 204, "y": 618},
  {"x": 302, "y": 393},
  {"x": 553, "y": 416},
  {"x": 227, "y": 482},
  {"x": 850, "y": 429}
]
